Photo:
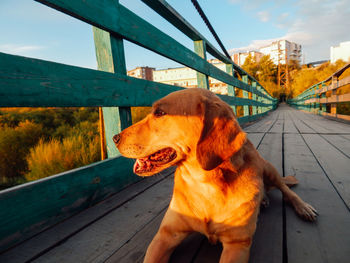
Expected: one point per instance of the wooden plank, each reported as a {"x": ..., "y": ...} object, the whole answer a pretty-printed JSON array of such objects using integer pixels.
[
  {"x": 270, "y": 223},
  {"x": 277, "y": 127},
  {"x": 100, "y": 240},
  {"x": 328, "y": 239},
  {"x": 188, "y": 249},
  {"x": 264, "y": 124},
  {"x": 299, "y": 125},
  {"x": 208, "y": 253},
  {"x": 32, "y": 207},
  {"x": 133, "y": 251},
  {"x": 59, "y": 233},
  {"x": 255, "y": 138},
  {"x": 342, "y": 143},
  {"x": 38, "y": 83},
  {"x": 200, "y": 49},
  {"x": 254, "y": 108},
  {"x": 230, "y": 88},
  {"x": 245, "y": 95},
  {"x": 119, "y": 20},
  {"x": 34, "y": 83},
  {"x": 334, "y": 163},
  {"x": 323, "y": 125},
  {"x": 110, "y": 57}
]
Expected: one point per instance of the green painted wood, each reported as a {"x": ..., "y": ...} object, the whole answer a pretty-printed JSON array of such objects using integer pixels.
[
  {"x": 30, "y": 208},
  {"x": 38, "y": 83},
  {"x": 110, "y": 58},
  {"x": 245, "y": 95},
  {"x": 44, "y": 241},
  {"x": 202, "y": 79},
  {"x": 230, "y": 88},
  {"x": 254, "y": 108},
  {"x": 121, "y": 21}
]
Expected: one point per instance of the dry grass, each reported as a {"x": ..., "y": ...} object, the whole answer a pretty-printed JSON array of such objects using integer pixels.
[{"x": 48, "y": 158}]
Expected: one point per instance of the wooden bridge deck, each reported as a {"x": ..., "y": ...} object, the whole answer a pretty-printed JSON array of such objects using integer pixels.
[{"x": 314, "y": 149}]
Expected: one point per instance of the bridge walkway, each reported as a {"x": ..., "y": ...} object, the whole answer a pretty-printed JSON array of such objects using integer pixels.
[{"x": 314, "y": 149}]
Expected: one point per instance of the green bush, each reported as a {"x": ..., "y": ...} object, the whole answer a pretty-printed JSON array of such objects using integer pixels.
[
  {"x": 48, "y": 158},
  {"x": 15, "y": 144}
]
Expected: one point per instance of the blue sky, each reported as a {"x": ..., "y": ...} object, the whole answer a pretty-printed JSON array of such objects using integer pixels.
[{"x": 31, "y": 29}]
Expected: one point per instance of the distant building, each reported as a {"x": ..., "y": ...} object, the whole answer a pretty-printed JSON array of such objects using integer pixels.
[
  {"x": 181, "y": 76},
  {"x": 341, "y": 52},
  {"x": 239, "y": 58},
  {"x": 142, "y": 73},
  {"x": 186, "y": 77},
  {"x": 282, "y": 49}
]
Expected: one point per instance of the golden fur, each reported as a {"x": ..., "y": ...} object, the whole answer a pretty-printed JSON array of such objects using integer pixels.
[{"x": 220, "y": 176}]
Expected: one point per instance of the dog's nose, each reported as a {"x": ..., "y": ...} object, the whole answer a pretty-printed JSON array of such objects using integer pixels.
[{"x": 116, "y": 139}]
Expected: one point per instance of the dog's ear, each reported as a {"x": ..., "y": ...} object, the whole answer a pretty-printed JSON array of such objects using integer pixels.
[{"x": 221, "y": 135}]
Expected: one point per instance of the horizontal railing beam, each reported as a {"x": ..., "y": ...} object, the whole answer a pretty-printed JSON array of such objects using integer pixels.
[
  {"x": 116, "y": 19},
  {"x": 35, "y": 206},
  {"x": 38, "y": 83}
]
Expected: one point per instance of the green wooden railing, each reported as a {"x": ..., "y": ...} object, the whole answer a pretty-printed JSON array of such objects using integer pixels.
[
  {"x": 314, "y": 98},
  {"x": 26, "y": 82}
]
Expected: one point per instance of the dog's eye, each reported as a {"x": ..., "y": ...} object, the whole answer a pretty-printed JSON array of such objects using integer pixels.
[{"x": 159, "y": 113}]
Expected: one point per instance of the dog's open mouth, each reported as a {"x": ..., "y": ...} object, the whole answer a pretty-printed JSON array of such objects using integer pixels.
[{"x": 154, "y": 161}]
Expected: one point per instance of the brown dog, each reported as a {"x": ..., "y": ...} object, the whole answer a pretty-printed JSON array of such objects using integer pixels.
[{"x": 220, "y": 177}]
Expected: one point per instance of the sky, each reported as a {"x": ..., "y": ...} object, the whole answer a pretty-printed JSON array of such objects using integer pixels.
[{"x": 33, "y": 30}]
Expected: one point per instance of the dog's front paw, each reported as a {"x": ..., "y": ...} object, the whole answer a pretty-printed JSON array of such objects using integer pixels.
[{"x": 306, "y": 211}]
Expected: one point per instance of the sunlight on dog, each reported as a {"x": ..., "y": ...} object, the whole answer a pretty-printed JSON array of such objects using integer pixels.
[{"x": 220, "y": 178}]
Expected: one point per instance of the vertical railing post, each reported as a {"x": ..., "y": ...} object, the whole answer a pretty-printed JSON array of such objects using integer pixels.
[
  {"x": 110, "y": 57},
  {"x": 231, "y": 89},
  {"x": 334, "y": 95},
  {"x": 323, "y": 95},
  {"x": 259, "y": 99},
  {"x": 245, "y": 95},
  {"x": 254, "y": 97},
  {"x": 200, "y": 49},
  {"x": 317, "y": 99}
]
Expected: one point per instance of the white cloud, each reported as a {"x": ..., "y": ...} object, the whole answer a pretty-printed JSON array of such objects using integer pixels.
[
  {"x": 19, "y": 49},
  {"x": 264, "y": 16},
  {"x": 314, "y": 24}
]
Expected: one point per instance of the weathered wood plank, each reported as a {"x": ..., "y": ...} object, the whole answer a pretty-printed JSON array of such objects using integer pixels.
[
  {"x": 101, "y": 239},
  {"x": 264, "y": 124},
  {"x": 208, "y": 253},
  {"x": 334, "y": 163},
  {"x": 188, "y": 249},
  {"x": 30, "y": 208},
  {"x": 133, "y": 251},
  {"x": 200, "y": 49},
  {"x": 255, "y": 138},
  {"x": 328, "y": 239},
  {"x": 342, "y": 143},
  {"x": 270, "y": 221},
  {"x": 50, "y": 238},
  {"x": 110, "y": 57},
  {"x": 38, "y": 83}
]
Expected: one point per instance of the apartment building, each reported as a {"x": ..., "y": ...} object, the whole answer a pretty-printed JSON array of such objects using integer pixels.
[
  {"x": 239, "y": 58},
  {"x": 142, "y": 73},
  {"x": 282, "y": 49}
]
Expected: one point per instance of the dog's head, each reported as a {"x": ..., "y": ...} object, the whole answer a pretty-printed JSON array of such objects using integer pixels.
[{"x": 190, "y": 122}]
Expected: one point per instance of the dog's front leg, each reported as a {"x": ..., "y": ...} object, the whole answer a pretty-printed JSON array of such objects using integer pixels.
[
  {"x": 237, "y": 252},
  {"x": 170, "y": 234}
]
